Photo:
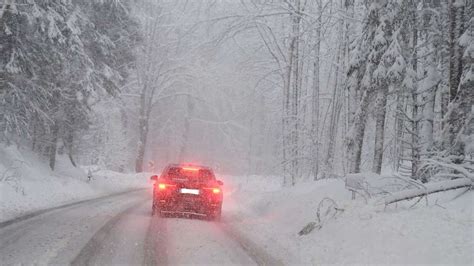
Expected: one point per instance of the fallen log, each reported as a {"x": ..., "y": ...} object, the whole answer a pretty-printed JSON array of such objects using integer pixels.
[{"x": 428, "y": 189}]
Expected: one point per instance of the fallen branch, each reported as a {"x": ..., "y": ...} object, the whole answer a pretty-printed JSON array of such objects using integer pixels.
[
  {"x": 327, "y": 209},
  {"x": 429, "y": 189}
]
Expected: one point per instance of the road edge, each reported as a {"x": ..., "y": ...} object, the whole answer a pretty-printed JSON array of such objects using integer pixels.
[{"x": 33, "y": 214}]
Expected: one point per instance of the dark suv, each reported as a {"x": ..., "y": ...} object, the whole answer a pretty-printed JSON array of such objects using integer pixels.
[{"x": 188, "y": 190}]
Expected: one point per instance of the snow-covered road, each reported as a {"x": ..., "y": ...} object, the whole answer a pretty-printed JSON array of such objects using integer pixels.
[{"x": 120, "y": 230}]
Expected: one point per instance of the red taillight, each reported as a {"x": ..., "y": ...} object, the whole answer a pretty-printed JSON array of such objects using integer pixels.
[
  {"x": 163, "y": 186},
  {"x": 214, "y": 190}
]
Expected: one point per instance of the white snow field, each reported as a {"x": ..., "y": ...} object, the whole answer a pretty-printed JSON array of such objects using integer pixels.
[
  {"x": 260, "y": 223},
  {"x": 27, "y": 183},
  {"x": 439, "y": 231}
]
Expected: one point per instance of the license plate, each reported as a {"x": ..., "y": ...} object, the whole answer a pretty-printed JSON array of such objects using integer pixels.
[{"x": 189, "y": 191}]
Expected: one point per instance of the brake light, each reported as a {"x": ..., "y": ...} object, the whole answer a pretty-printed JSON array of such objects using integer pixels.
[
  {"x": 216, "y": 190},
  {"x": 163, "y": 186},
  {"x": 190, "y": 169}
]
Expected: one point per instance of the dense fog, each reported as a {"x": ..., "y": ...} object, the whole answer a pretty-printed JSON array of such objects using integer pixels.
[
  {"x": 304, "y": 89},
  {"x": 236, "y": 132}
]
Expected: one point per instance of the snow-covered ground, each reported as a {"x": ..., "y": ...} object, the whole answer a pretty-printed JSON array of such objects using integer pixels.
[
  {"x": 438, "y": 232},
  {"x": 258, "y": 209},
  {"x": 27, "y": 184}
]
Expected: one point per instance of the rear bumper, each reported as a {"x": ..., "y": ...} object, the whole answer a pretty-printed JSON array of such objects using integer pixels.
[
  {"x": 186, "y": 213},
  {"x": 186, "y": 206}
]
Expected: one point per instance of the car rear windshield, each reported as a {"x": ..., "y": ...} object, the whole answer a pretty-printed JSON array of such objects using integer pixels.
[{"x": 196, "y": 175}]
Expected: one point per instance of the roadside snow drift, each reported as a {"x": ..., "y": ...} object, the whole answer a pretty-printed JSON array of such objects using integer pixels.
[
  {"x": 27, "y": 184},
  {"x": 437, "y": 230}
]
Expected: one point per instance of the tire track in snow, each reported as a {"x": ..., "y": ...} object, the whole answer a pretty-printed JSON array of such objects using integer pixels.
[
  {"x": 56, "y": 236},
  {"x": 132, "y": 237},
  {"x": 255, "y": 251},
  {"x": 95, "y": 247},
  {"x": 156, "y": 252},
  {"x": 200, "y": 242}
]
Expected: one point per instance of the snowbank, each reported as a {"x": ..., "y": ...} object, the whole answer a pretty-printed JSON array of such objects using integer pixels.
[
  {"x": 438, "y": 232},
  {"x": 27, "y": 184}
]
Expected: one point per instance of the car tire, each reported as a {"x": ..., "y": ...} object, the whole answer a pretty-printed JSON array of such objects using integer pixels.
[
  {"x": 154, "y": 209},
  {"x": 215, "y": 214},
  {"x": 161, "y": 214}
]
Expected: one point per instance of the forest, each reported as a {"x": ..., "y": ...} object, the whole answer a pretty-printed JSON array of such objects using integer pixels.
[{"x": 304, "y": 89}]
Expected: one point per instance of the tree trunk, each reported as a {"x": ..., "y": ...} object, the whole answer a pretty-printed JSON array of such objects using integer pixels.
[
  {"x": 142, "y": 131},
  {"x": 428, "y": 189},
  {"x": 290, "y": 105},
  {"x": 356, "y": 139},
  {"x": 337, "y": 101},
  {"x": 339, "y": 85},
  {"x": 415, "y": 130},
  {"x": 399, "y": 130},
  {"x": 429, "y": 108},
  {"x": 296, "y": 93},
  {"x": 68, "y": 142},
  {"x": 455, "y": 62},
  {"x": 456, "y": 114},
  {"x": 379, "y": 129},
  {"x": 315, "y": 99},
  {"x": 53, "y": 145},
  {"x": 34, "y": 135},
  {"x": 285, "y": 119}
]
